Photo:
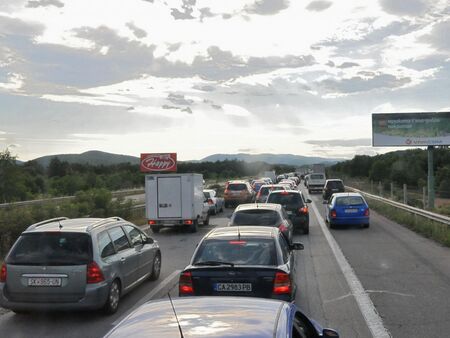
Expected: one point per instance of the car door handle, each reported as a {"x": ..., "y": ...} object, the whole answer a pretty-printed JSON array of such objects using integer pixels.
[{"x": 122, "y": 259}]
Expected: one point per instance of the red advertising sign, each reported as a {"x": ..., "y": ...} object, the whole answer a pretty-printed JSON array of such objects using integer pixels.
[{"x": 166, "y": 162}]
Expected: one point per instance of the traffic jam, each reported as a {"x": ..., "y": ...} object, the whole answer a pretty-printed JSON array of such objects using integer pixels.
[{"x": 90, "y": 263}]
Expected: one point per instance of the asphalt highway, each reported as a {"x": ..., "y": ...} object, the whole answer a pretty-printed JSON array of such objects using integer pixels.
[{"x": 354, "y": 280}]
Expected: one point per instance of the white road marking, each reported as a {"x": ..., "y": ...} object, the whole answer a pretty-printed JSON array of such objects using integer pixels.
[
  {"x": 167, "y": 281},
  {"x": 370, "y": 314}
]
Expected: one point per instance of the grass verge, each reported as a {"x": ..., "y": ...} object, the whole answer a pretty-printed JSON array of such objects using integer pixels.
[{"x": 431, "y": 229}]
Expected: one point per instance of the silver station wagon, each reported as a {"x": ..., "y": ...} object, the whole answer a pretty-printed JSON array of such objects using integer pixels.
[{"x": 83, "y": 263}]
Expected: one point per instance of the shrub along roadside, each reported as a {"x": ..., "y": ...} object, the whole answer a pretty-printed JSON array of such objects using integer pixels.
[
  {"x": 437, "y": 231},
  {"x": 91, "y": 203}
]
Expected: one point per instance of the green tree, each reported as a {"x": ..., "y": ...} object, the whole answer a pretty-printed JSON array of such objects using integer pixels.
[{"x": 12, "y": 186}]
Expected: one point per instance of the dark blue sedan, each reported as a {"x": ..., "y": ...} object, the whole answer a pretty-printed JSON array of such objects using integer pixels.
[
  {"x": 347, "y": 209},
  {"x": 215, "y": 317}
]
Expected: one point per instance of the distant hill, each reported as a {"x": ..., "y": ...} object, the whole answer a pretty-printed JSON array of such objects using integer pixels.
[
  {"x": 93, "y": 157},
  {"x": 288, "y": 159}
]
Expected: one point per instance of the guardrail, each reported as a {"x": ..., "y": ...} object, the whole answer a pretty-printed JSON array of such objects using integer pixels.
[
  {"x": 118, "y": 193},
  {"x": 416, "y": 211}
]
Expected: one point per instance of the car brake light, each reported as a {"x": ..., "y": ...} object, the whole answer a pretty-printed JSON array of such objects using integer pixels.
[
  {"x": 210, "y": 201},
  {"x": 333, "y": 213},
  {"x": 188, "y": 222},
  {"x": 366, "y": 212},
  {"x": 3, "y": 273},
  {"x": 185, "y": 286},
  {"x": 94, "y": 274},
  {"x": 282, "y": 227},
  {"x": 151, "y": 222},
  {"x": 282, "y": 283},
  {"x": 238, "y": 242},
  {"x": 303, "y": 210},
  {"x": 284, "y": 193}
]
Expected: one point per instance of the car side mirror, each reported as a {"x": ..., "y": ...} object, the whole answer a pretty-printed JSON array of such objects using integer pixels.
[
  {"x": 329, "y": 333},
  {"x": 308, "y": 200},
  {"x": 324, "y": 202},
  {"x": 296, "y": 246},
  {"x": 148, "y": 240}
]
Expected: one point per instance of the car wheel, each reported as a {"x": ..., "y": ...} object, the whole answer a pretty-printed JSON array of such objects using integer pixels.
[
  {"x": 221, "y": 208},
  {"x": 155, "y": 228},
  {"x": 332, "y": 226},
  {"x": 156, "y": 269},
  {"x": 226, "y": 204},
  {"x": 193, "y": 227},
  {"x": 112, "y": 303},
  {"x": 366, "y": 225},
  {"x": 206, "y": 221},
  {"x": 306, "y": 230},
  {"x": 309, "y": 191}
]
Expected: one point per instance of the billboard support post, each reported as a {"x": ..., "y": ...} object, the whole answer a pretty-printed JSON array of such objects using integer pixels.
[{"x": 430, "y": 178}]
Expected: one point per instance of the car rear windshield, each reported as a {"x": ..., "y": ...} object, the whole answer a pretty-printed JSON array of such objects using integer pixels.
[
  {"x": 245, "y": 251},
  {"x": 316, "y": 177},
  {"x": 287, "y": 199},
  {"x": 256, "y": 217},
  {"x": 335, "y": 185},
  {"x": 349, "y": 200},
  {"x": 52, "y": 248},
  {"x": 237, "y": 187}
]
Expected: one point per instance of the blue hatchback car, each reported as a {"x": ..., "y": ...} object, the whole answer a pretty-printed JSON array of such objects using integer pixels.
[
  {"x": 218, "y": 317},
  {"x": 347, "y": 209}
]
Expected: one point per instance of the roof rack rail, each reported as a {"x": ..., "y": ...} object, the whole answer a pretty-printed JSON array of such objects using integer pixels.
[
  {"x": 104, "y": 221},
  {"x": 35, "y": 225}
]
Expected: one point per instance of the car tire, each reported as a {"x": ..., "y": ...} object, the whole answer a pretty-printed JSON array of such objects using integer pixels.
[
  {"x": 332, "y": 226},
  {"x": 193, "y": 227},
  {"x": 113, "y": 300},
  {"x": 226, "y": 204},
  {"x": 306, "y": 230},
  {"x": 309, "y": 191},
  {"x": 156, "y": 267},
  {"x": 206, "y": 221},
  {"x": 155, "y": 228},
  {"x": 221, "y": 208},
  {"x": 366, "y": 225}
]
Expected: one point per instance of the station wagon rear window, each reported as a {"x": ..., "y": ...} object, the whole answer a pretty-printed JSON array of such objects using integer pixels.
[
  {"x": 256, "y": 217},
  {"x": 51, "y": 248},
  {"x": 290, "y": 199},
  {"x": 252, "y": 251}
]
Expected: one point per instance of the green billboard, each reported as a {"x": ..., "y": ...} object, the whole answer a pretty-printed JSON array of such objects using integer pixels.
[{"x": 411, "y": 129}]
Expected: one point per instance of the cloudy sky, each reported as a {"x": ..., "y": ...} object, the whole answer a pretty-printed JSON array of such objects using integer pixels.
[{"x": 199, "y": 77}]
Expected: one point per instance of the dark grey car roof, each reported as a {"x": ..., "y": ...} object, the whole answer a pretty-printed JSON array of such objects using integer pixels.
[{"x": 221, "y": 316}]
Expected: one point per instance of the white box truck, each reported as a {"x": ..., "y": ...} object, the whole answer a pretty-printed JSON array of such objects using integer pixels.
[{"x": 175, "y": 200}]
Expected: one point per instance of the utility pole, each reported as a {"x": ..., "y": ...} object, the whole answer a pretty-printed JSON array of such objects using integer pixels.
[{"x": 430, "y": 178}]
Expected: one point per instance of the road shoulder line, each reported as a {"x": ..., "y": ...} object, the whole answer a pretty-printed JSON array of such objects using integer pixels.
[{"x": 370, "y": 314}]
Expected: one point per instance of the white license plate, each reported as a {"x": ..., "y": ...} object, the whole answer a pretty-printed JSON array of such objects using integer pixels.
[
  {"x": 233, "y": 287},
  {"x": 289, "y": 212},
  {"x": 351, "y": 211},
  {"x": 44, "y": 281}
]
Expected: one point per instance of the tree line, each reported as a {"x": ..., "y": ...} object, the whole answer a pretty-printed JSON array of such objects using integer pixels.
[
  {"x": 30, "y": 180},
  {"x": 400, "y": 167}
]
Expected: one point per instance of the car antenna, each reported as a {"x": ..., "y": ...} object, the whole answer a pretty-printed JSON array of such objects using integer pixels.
[
  {"x": 60, "y": 225},
  {"x": 175, "y": 313}
]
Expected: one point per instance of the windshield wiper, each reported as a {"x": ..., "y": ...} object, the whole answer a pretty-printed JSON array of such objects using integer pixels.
[{"x": 214, "y": 263}]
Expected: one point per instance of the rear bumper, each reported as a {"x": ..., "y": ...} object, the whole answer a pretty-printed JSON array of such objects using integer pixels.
[
  {"x": 299, "y": 221},
  {"x": 350, "y": 220},
  {"x": 95, "y": 297}
]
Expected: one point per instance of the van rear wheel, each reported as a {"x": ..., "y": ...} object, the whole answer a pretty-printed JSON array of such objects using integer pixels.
[{"x": 193, "y": 227}]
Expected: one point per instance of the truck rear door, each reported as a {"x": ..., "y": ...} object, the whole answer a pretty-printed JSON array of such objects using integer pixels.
[{"x": 169, "y": 197}]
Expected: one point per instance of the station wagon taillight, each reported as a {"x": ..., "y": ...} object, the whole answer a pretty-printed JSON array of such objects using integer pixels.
[
  {"x": 366, "y": 212},
  {"x": 185, "y": 286},
  {"x": 3, "y": 273},
  {"x": 282, "y": 283},
  {"x": 333, "y": 213},
  {"x": 303, "y": 210},
  {"x": 210, "y": 201},
  {"x": 94, "y": 274},
  {"x": 282, "y": 227}
]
